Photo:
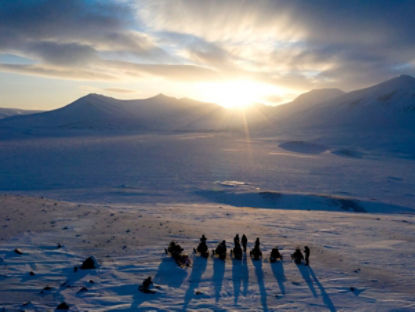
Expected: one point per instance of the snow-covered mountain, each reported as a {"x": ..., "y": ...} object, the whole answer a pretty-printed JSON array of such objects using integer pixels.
[
  {"x": 100, "y": 112},
  {"x": 157, "y": 113},
  {"x": 8, "y": 112},
  {"x": 390, "y": 104}
]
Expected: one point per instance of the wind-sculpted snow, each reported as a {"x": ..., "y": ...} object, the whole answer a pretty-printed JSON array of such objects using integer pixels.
[{"x": 359, "y": 262}]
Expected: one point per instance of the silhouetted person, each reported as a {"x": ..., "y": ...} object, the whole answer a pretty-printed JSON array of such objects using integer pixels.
[
  {"x": 236, "y": 239},
  {"x": 275, "y": 255},
  {"x": 297, "y": 256},
  {"x": 237, "y": 250},
  {"x": 202, "y": 248},
  {"x": 145, "y": 286},
  {"x": 256, "y": 252},
  {"x": 175, "y": 251},
  {"x": 244, "y": 242},
  {"x": 307, "y": 255},
  {"x": 221, "y": 250}
]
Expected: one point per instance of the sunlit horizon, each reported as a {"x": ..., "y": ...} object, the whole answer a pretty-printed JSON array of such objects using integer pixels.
[{"x": 233, "y": 53}]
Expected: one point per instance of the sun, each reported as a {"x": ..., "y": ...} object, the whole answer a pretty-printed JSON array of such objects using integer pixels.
[{"x": 235, "y": 94}]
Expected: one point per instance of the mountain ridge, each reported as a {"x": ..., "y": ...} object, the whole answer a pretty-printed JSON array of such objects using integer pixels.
[{"x": 388, "y": 103}]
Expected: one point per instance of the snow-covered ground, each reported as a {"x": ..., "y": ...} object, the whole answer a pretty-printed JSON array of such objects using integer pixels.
[
  {"x": 359, "y": 262},
  {"x": 124, "y": 198}
]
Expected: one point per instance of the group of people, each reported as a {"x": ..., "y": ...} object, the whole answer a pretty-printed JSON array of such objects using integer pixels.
[
  {"x": 175, "y": 250},
  {"x": 298, "y": 256},
  {"x": 240, "y": 247}
]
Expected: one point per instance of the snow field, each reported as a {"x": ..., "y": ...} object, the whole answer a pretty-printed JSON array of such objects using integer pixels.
[{"x": 359, "y": 261}]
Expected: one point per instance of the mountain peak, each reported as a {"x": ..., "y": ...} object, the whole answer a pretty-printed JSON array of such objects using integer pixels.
[{"x": 161, "y": 96}]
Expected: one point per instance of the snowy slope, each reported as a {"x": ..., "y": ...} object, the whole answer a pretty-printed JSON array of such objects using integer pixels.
[
  {"x": 8, "y": 112},
  {"x": 99, "y": 112},
  {"x": 306, "y": 101},
  {"x": 390, "y": 105},
  {"x": 359, "y": 262}
]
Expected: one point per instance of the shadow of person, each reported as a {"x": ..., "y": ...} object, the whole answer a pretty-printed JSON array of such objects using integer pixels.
[
  {"x": 278, "y": 271},
  {"x": 218, "y": 274},
  {"x": 239, "y": 276},
  {"x": 306, "y": 276},
  {"x": 199, "y": 266},
  {"x": 326, "y": 299},
  {"x": 170, "y": 274},
  {"x": 260, "y": 278},
  {"x": 244, "y": 275},
  {"x": 139, "y": 298}
]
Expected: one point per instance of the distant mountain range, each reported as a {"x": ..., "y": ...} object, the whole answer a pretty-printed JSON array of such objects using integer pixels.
[
  {"x": 7, "y": 112},
  {"x": 387, "y": 105}
]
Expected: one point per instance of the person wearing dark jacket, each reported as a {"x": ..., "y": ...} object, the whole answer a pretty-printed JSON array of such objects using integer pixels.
[
  {"x": 221, "y": 250},
  {"x": 244, "y": 242},
  {"x": 256, "y": 253},
  {"x": 236, "y": 239},
  {"x": 307, "y": 255},
  {"x": 297, "y": 256},
  {"x": 237, "y": 250},
  {"x": 275, "y": 255},
  {"x": 202, "y": 248},
  {"x": 145, "y": 286}
]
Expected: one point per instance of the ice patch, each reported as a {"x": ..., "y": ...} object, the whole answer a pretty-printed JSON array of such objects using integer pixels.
[{"x": 231, "y": 183}]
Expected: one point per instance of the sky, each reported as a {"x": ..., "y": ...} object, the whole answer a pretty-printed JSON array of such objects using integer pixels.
[{"x": 231, "y": 52}]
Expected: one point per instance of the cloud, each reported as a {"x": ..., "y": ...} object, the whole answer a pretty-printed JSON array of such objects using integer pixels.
[
  {"x": 174, "y": 72},
  {"x": 293, "y": 44},
  {"x": 71, "y": 33},
  {"x": 321, "y": 41},
  {"x": 119, "y": 90},
  {"x": 63, "y": 73}
]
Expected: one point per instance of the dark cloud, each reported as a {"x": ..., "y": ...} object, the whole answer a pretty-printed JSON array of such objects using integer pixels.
[
  {"x": 71, "y": 32},
  {"x": 346, "y": 42},
  {"x": 295, "y": 43},
  {"x": 63, "y": 53}
]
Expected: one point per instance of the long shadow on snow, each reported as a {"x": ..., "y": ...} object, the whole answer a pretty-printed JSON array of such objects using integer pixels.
[
  {"x": 218, "y": 274},
  {"x": 278, "y": 271},
  {"x": 139, "y": 298},
  {"x": 308, "y": 274},
  {"x": 260, "y": 278},
  {"x": 240, "y": 277},
  {"x": 199, "y": 266},
  {"x": 323, "y": 292},
  {"x": 170, "y": 274},
  {"x": 307, "y": 278}
]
